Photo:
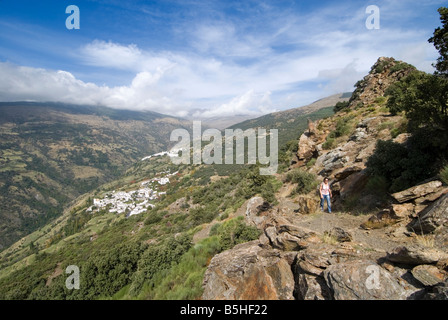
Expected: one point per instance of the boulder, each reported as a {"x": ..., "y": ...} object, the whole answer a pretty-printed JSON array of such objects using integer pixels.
[
  {"x": 365, "y": 122},
  {"x": 248, "y": 272},
  {"x": 366, "y": 152},
  {"x": 419, "y": 191},
  {"x": 433, "y": 217},
  {"x": 431, "y": 197},
  {"x": 416, "y": 255},
  {"x": 290, "y": 238},
  {"x": 403, "y": 210},
  {"x": 428, "y": 275},
  {"x": 381, "y": 219},
  {"x": 438, "y": 292},
  {"x": 309, "y": 287},
  {"x": 306, "y": 204},
  {"x": 347, "y": 172},
  {"x": 254, "y": 208},
  {"x": 363, "y": 280},
  {"x": 358, "y": 135},
  {"x": 339, "y": 234},
  {"x": 334, "y": 160},
  {"x": 352, "y": 184},
  {"x": 307, "y": 145}
]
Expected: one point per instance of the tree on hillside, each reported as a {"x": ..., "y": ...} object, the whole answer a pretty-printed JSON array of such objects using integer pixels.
[
  {"x": 424, "y": 97},
  {"x": 440, "y": 41}
]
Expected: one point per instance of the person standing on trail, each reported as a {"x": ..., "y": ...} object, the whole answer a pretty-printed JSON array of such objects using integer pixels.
[{"x": 325, "y": 195}]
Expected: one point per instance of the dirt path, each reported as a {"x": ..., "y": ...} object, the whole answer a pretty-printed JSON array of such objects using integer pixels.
[{"x": 381, "y": 240}]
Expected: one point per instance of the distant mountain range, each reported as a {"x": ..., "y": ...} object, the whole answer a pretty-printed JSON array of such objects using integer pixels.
[{"x": 50, "y": 153}]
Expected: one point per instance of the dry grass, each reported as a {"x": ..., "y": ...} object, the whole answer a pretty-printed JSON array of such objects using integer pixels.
[
  {"x": 329, "y": 239},
  {"x": 425, "y": 240}
]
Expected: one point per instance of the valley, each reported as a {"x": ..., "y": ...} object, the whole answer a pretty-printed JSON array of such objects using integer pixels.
[{"x": 166, "y": 231}]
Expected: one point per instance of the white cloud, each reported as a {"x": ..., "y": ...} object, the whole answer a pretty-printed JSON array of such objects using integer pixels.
[
  {"x": 255, "y": 65},
  {"x": 249, "y": 103}
]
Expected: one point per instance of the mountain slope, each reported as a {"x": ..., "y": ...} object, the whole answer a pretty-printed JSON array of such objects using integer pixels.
[
  {"x": 196, "y": 196},
  {"x": 51, "y": 153},
  {"x": 291, "y": 123}
]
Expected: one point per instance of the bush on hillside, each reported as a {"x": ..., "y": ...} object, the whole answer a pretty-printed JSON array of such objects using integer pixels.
[
  {"x": 306, "y": 181},
  {"x": 444, "y": 175}
]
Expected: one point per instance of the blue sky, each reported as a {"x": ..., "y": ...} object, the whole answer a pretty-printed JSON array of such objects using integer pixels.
[{"x": 204, "y": 58}]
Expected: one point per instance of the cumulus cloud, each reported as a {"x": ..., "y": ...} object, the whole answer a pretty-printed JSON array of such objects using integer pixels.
[{"x": 270, "y": 61}]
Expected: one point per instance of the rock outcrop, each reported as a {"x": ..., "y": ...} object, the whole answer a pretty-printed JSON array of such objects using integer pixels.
[
  {"x": 292, "y": 261},
  {"x": 249, "y": 272},
  {"x": 435, "y": 216},
  {"x": 421, "y": 191}
]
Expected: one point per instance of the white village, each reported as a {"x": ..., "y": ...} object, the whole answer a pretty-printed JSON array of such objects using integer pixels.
[{"x": 132, "y": 202}]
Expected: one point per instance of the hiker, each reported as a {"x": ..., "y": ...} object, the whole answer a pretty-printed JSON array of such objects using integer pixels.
[{"x": 325, "y": 194}]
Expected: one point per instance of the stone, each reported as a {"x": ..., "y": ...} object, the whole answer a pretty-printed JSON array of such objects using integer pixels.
[
  {"x": 346, "y": 172},
  {"x": 428, "y": 275},
  {"x": 365, "y": 122},
  {"x": 340, "y": 234},
  {"x": 311, "y": 127},
  {"x": 402, "y": 138},
  {"x": 366, "y": 152},
  {"x": 403, "y": 210},
  {"x": 290, "y": 238},
  {"x": 433, "y": 217},
  {"x": 248, "y": 272},
  {"x": 253, "y": 210},
  {"x": 359, "y": 134},
  {"x": 381, "y": 219},
  {"x": 438, "y": 292},
  {"x": 363, "y": 280},
  {"x": 306, "y": 204},
  {"x": 309, "y": 287},
  {"x": 431, "y": 197},
  {"x": 307, "y": 145},
  {"x": 417, "y": 191},
  {"x": 353, "y": 183},
  {"x": 416, "y": 255},
  {"x": 333, "y": 160}
]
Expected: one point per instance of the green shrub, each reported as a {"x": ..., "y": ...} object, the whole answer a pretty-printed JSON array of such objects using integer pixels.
[
  {"x": 234, "y": 232},
  {"x": 340, "y": 106},
  {"x": 380, "y": 100},
  {"x": 311, "y": 163},
  {"x": 306, "y": 182},
  {"x": 403, "y": 166},
  {"x": 344, "y": 127},
  {"x": 377, "y": 185},
  {"x": 329, "y": 143},
  {"x": 444, "y": 175}
]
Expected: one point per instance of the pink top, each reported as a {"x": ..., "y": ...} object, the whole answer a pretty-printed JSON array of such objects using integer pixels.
[{"x": 325, "y": 189}]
